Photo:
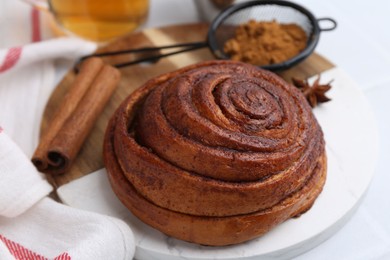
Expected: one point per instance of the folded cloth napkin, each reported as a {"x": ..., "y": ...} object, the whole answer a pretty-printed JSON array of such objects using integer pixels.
[
  {"x": 21, "y": 185},
  {"x": 50, "y": 230},
  {"x": 32, "y": 225}
]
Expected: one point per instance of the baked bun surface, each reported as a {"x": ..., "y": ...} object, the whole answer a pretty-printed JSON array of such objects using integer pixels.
[{"x": 216, "y": 153}]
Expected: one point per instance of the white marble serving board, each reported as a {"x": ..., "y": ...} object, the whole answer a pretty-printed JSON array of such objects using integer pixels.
[{"x": 351, "y": 144}]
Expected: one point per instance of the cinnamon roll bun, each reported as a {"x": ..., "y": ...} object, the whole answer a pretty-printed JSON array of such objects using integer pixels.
[{"x": 216, "y": 153}]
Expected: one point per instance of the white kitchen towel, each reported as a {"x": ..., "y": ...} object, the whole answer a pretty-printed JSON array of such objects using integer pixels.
[
  {"x": 32, "y": 227},
  {"x": 21, "y": 185},
  {"x": 51, "y": 230}
]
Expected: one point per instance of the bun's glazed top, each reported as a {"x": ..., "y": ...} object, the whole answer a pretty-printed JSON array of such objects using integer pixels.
[
  {"x": 228, "y": 121},
  {"x": 218, "y": 138}
]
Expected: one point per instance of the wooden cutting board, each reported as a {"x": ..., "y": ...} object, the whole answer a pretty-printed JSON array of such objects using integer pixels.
[{"x": 90, "y": 156}]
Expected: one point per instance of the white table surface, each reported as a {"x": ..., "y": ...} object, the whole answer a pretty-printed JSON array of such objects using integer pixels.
[{"x": 360, "y": 46}]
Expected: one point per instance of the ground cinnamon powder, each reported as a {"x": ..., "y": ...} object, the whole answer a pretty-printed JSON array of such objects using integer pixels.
[{"x": 264, "y": 43}]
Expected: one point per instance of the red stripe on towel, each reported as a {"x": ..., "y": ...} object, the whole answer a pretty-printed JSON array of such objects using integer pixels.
[
  {"x": 11, "y": 58},
  {"x": 22, "y": 253},
  {"x": 35, "y": 26},
  {"x": 63, "y": 256}
]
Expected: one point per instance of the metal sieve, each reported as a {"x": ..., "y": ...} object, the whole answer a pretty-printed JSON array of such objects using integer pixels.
[{"x": 223, "y": 28}]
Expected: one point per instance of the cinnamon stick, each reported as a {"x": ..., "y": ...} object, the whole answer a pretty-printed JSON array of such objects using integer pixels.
[{"x": 73, "y": 121}]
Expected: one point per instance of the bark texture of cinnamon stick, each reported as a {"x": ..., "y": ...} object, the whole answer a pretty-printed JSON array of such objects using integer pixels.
[{"x": 75, "y": 117}]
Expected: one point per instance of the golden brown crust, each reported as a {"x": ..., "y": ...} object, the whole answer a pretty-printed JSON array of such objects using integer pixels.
[
  {"x": 215, "y": 231},
  {"x": 219, "y": 143}
]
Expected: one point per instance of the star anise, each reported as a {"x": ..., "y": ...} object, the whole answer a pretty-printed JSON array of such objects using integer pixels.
[{"x": 315, "y": 93}]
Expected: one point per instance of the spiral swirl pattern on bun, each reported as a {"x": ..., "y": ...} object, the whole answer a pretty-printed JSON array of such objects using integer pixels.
[{"x": 220, "y": 144}]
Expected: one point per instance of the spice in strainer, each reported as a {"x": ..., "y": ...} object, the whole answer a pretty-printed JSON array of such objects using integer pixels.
[{"x": 265, "y": 43}]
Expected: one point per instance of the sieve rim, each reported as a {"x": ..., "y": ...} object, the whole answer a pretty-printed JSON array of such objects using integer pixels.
[{"x": 312, "y": 41}]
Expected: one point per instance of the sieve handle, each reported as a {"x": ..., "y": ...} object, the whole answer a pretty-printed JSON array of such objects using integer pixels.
[
  {"x": 332, "y": 24},
  {"x": 184, "y": 47}
]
